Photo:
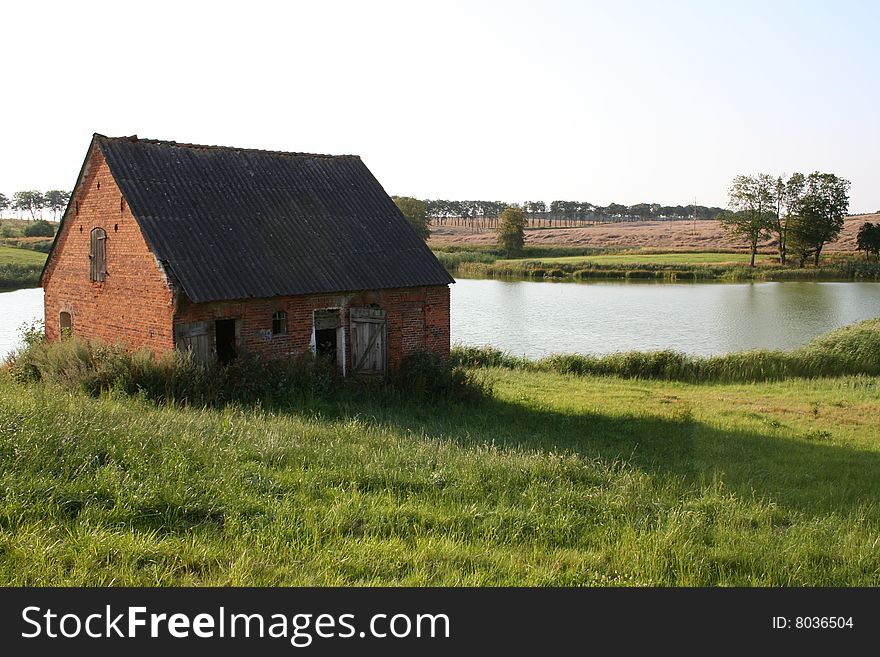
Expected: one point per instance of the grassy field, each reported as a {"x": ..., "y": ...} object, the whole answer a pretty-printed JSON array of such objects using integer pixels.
[
  {"x": 583, "y": 263},
  {"x": 20, "y": 267},
  {"x": 636, "y": 258},
  {"x": 21, "y": 257},
  {"x": 554, "y": 480},
  {"x": 668, "y": 235}
]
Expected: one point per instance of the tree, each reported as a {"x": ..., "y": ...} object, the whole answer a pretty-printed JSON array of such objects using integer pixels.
[
  {"x": 868, "y": 239},
  {"x": 415, "y": 212},
  {"x": 4, "y": 203},
  {"x": 616, "y": 210},
  {"x": 531, "y": 207},
  {"x": 56, "y": 200},
  {"x": 28, "y": 201},
  {"x": 752, "y": 199},
  {"x": 643, "y": 210},
  {"x": 788, "y": 194},
  {"x": 820, "y": 213},
  {"x": 511, "y": 231},
  {"x": 41, "y": 228}
]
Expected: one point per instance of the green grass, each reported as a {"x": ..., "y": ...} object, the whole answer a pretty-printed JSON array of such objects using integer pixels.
[
  {"x": 637, "y": 258},
  {"x": 20, "y": 267},
  {"x": 850, "y": 350},
  {"x": 554, "y": 480},
  {"x": 585, "y": 268},
  {"x": 21, "y": 257}
]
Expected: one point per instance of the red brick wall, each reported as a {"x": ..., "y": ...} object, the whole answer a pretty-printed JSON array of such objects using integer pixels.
[
  {"x": 417, "y": 319},
  {"x": 134, "y": 304}
]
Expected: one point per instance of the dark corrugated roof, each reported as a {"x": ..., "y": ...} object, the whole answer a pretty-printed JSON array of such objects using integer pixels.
[{"x": 234, "y": 223}]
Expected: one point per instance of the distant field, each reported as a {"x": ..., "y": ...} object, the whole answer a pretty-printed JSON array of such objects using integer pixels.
[
  {"x": 670, "y": 235},
  {"x": 655, "y": 258},
  {"x": 25, "y": 257}
]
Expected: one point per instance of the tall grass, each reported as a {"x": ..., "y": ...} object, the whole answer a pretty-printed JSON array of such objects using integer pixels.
[
  {"x": 851, "y": 350},
  {"x": 12, "y": 275},
  {"x": 551, "y": 482},
  {"x": 94, "y": 367},
  {"x": 481, "y": 265}
]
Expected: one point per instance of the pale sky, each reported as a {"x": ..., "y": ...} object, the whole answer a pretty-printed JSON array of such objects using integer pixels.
[{"x": 592, "y": 101}]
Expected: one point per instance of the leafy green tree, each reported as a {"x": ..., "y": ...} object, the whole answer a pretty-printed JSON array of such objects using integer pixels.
[
  {"x": 41, "y": 228},
  {"x": 30, "y": 201},
  {"x": 752, "y": 200},
  {"x": 868, "y": 239},
  {"x": 56, "y": 200},
  {"x": 616, "y": 210},
  {"x": 788, "y": 194},
  {"x": 565, "y": 208},
  {"x": 415, "y": 212},
  {"x": 643, "y": 210},
  {"x": 531, "y": 207},
  {"x": 511, "y": 231},
  {"x": 4, "y": 202},
  {"x": 820, "y": 214}
]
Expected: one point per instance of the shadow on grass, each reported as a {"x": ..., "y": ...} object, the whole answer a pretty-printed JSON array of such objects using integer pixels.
[{"x": 797, "y": 471}]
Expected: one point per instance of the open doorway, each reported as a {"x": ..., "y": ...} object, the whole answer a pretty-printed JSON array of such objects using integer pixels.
[
  {"x": 224, "y": 335},
  {"x": 328, "y": 335},
  {"x": 325, "y": 343}
]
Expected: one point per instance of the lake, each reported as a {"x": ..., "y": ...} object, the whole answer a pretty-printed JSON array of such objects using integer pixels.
[{"x": 536, "y": 318}]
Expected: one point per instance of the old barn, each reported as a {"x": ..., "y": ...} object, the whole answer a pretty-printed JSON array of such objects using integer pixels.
[{"x": 230, "y": 250}]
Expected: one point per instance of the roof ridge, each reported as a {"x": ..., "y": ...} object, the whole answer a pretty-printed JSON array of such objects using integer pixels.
[{"x": 211, "y": 147}]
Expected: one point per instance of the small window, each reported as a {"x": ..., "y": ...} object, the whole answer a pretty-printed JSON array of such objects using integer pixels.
[
  {"x": 279, "y": 322},
  {"x": 98, "y": 255},
  {"x": 65, "y": 322}
]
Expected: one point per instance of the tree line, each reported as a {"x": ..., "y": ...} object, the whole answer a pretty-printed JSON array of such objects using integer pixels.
[
  {"x": 441, "y": 208},
  {"x": 802, "y": 213},
  {"x": 32, "y": 202},
  {"x": 420, "y": 213}
]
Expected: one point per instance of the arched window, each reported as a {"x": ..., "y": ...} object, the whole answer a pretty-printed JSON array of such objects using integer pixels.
[
  {"x": 65, "y": 322},
  {"x": 279, "y": 322},
  {"x": 98, "y": 255}
]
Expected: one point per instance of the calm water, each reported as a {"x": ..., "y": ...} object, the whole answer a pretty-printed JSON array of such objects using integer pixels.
[
  {"x": 536, "y": 319},
  {"x": 16, "y": 308}
]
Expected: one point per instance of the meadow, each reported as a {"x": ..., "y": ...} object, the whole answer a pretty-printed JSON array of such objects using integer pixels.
[
  {"x": 642, "y": 258},
  {"x": 552, "y": 479},
  {"x": 584, "y": 263},
  {"x": 22, "y": 257},
  {"x": 20, "y": 267}
]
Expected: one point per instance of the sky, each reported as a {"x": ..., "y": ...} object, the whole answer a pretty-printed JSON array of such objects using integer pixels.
[{"x": 603, "y": 102}]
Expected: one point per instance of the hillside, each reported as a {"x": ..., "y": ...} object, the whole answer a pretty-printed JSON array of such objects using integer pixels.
[{"x": 706, "y": 236}]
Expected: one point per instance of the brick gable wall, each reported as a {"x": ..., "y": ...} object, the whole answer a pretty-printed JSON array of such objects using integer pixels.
[{"x": 134, "y": 304}]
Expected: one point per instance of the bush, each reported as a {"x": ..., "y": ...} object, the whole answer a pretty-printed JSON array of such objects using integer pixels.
[
  {"x": 19, "y": 275},
  {"x": 453, "y": 260},
  {"x": 95, "y": 367},
  {"x": 41, "y": 228},
  {"x": 428, "y": 376},
  {"x": 486, "y": 357}
]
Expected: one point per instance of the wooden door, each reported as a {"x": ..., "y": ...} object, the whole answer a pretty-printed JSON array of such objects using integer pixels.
[
  {"x": 194, "y": 337},
  {"x": 369, "y": 347}
]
